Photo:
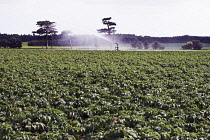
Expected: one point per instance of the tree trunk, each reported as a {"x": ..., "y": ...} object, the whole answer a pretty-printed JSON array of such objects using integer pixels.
[
  {"x": 47, "y": 41},
  {"x": 52, "y": 44}
]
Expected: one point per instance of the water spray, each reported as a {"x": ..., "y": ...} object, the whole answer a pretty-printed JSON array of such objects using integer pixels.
[
  {"x": 93, "y": 33},
  {"x": 90, "y": 32}
]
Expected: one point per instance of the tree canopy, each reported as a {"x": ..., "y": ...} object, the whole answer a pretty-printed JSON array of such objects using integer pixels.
[
  {"x": 4, "y": 43},
  {"x": 137, "y": 44},
  {"x": 146, "y": 45},
  {"x": 12, "y": 43},
  {"x": 15, "y": 43},
  {"x": 187, "y": 46},
  {"x": 46, "y": 30},
  {"x": 158, "y": 46},
  {"x": 195, "y": 45},
  {"x": 110, "y": 26}
]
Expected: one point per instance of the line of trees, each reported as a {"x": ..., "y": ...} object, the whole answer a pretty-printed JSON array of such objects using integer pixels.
[
  {"x": 139, "y": 45},
  {"x": 129, "y": 38},
  {"x": 23, "y": 38},
  {"x": 12, "y": 43},
  {"x": 85, "y": 40},
  {"x": 125, "y": 38},
  {"x": 71, "y": 40},
  {"x": 190, "y": 45}
]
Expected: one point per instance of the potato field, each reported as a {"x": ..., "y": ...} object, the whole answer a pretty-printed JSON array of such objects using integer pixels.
[{"x": 104, "y": 95}]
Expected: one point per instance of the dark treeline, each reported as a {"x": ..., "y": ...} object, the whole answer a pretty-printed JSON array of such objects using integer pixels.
[
  {"x": 12, "y": 43},
  {"x": 128, "y": 38},
  {"x": 71, "y": 40},
  {"x": 23, "y": 38},
  {"x": 79, "y": 40}
]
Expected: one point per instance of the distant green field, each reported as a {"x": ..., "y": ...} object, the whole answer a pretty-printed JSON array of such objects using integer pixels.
[
  {"x": 24, "y": 43},
  {"x": 168, "y": 46}
]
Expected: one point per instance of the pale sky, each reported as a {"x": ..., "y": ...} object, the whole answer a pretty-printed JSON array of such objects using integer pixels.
[{"x": 140, "y": 17}]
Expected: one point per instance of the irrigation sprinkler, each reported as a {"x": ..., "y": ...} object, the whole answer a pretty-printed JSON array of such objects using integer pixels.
[{"x": 117, "y": 47}]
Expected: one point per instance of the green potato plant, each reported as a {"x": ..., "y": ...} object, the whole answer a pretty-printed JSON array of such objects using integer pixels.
[{"x": 69, "y": 95}]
